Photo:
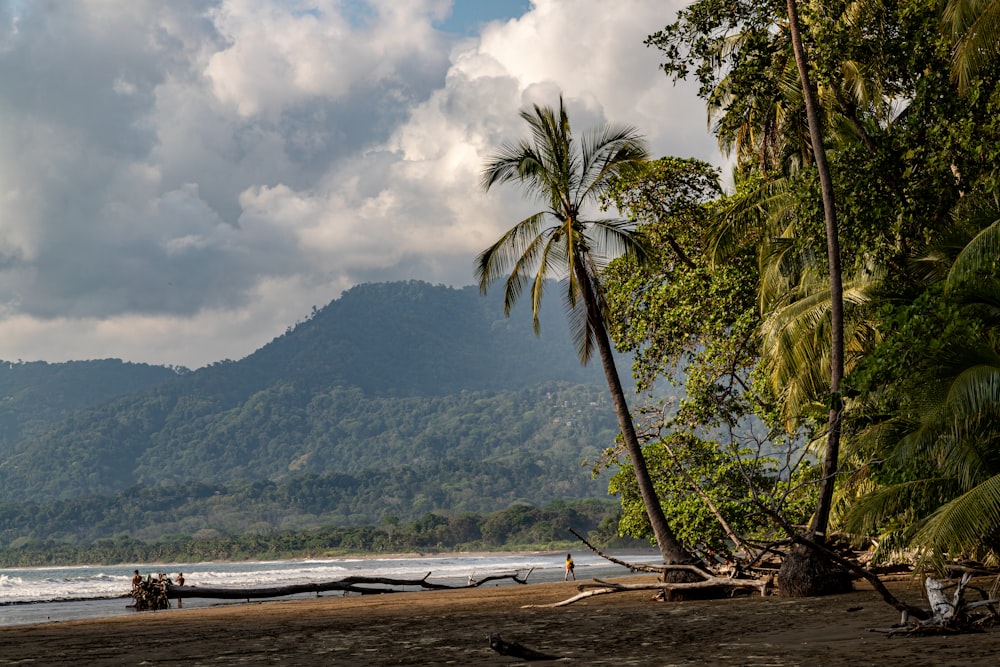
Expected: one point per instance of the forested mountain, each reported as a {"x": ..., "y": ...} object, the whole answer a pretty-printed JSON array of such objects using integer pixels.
[
  {"x": 395, "y": 399},
  {"x": 34, "y": 395}
]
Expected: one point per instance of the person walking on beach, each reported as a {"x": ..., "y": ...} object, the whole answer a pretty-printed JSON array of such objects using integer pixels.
[{"x": 569, "y": 568}]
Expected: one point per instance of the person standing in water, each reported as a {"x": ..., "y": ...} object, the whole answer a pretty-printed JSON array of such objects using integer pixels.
[
  {"x": 180, "y": 582},
  {"x": 569, "y": 568}
]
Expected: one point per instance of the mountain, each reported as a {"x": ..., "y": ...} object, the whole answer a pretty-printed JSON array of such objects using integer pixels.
[
  {"x": 34, "y": 395},
  {"x": 396, "y": 398}
]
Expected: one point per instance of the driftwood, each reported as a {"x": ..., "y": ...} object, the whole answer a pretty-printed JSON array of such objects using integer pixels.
[
  {"x": 515, "y": 650},
  {"x": 631, "y": 566},
  {"x": 708, "y": 580},
  {"x": 361, "y": 585},
  {"x": 948, "y": 615},
  {"x": 601, "y": 587},
  {"x": 497, "y": 577}
]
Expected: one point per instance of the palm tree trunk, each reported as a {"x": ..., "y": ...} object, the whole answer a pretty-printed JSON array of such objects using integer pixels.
[
  {"x": 804, "y": 572},
  {"x": 822, "y": 517},
  {"x": 670, "y": 548}
]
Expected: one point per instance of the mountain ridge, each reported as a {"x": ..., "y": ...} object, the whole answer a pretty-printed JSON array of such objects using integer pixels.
[{"x": 408, "y": 377}]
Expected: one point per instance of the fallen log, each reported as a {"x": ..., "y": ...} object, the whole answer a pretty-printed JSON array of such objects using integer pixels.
[
  {"x": 227, "y": 593},
  {"x": 497, "y": 577},
  {"x": 708, "y": 579},
  {"x": 353, "y": 584}
]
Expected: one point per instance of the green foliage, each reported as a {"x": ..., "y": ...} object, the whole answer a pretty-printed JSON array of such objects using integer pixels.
[
  {"x": 737, "y": 483},
  {"x": 680, "y": 312},
  {"x": 525, "y": 526},
  {"x": 915, "y": 181}
]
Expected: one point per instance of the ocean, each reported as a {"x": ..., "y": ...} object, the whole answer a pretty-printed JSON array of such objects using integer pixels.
[{"x": 50, "y": 594}]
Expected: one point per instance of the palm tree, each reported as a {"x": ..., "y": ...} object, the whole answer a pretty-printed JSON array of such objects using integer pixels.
[
  {"x": 559, "y": 240},
  {"x": 975, "y": 28},
  {"x": 797, "y": 575},
  {"x": 944, "y": 431}
]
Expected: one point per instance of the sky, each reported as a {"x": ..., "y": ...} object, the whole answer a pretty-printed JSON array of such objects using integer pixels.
[{"x": 181, "y": 182}]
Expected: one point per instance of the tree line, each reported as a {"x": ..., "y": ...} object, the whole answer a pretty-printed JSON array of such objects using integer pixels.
[{"x": 517, "y": 528}]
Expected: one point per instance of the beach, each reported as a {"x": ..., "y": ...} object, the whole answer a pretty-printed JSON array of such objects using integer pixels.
[{"x": 451, "y": 628}]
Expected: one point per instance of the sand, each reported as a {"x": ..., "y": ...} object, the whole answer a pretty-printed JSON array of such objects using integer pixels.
[{"x": 451, "y": 628}]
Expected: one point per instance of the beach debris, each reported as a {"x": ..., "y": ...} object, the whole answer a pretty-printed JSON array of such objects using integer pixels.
[
  {"x": 949, "y": 615},
  {"x": 515, "y": 650},
  {"x": 681, "y": 578},
  {"x": 516, "y": 578},
  {"x": 601, "y": 587},
  {"x": 156, "y": 594}
]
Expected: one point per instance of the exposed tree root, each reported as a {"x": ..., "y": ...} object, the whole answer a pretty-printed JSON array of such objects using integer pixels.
[{"x": 948, "y": 615}]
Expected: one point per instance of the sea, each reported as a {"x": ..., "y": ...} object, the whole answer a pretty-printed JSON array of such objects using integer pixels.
[{"x": 53, "y": 594}]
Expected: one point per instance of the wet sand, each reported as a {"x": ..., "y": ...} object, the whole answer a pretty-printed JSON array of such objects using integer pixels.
[{"x": 451, "y": 628}]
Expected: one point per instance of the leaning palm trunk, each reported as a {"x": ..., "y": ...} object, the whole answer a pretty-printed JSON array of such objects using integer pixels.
[
  {"x": 806, "y": 573},
  {"x": 670, "y": 548}
]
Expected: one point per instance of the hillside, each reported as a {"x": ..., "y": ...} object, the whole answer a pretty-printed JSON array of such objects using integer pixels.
[
  {"x": 34, "y": 395},
  {"x": 397, "y": 398}
]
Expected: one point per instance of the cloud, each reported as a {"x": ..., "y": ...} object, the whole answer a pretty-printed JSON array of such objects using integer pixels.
[{"x": 181, "y": 181}]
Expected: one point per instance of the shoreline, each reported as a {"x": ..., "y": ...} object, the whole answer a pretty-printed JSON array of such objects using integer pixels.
[
  {"x": 361, "y": 556},
  {"x": 450, "y": 628},
  {"x": 102, "y": 590}
]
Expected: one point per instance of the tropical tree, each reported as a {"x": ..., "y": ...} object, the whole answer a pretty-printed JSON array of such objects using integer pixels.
[
  {"x": 933, "y": 443},
  {"x": 570, "y": 178},
  {"x": 904, "y": 150},
  {"x": 975, "y": 27},
  {"x": 684, "y": 319}
]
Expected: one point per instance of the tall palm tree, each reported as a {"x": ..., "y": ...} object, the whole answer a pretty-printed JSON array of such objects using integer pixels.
[
  {"x": 796, "y": 575},
  {"x": 561, "y": 241}
]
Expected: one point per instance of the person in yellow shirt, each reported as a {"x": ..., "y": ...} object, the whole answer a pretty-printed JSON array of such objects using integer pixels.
[{"x": 569, "y": 568}]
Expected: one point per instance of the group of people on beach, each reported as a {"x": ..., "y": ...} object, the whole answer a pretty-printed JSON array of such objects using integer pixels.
[
  {"x": 162, "y": 576},
  {"x": 162, "y": 579}
]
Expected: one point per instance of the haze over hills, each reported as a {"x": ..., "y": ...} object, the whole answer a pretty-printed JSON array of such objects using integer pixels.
[{"x": 395, "y": 399}]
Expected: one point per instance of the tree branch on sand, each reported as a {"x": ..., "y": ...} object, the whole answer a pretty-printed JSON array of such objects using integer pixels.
[
  {"x": 632, "y": 567},
  {"x": 708, "y": 580},
  {"x": 601, "y": 587},
  {"x": 361, "y": 585}
]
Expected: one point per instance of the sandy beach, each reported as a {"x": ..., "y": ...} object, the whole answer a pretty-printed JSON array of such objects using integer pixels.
[{"x": 451, "y": 628}]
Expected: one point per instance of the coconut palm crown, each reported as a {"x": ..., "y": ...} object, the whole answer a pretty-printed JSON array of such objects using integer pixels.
[{"x": 558, "y": 242}]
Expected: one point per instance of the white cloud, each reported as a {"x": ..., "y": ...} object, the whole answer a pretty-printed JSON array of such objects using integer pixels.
[{"x": 181, "y": 181}]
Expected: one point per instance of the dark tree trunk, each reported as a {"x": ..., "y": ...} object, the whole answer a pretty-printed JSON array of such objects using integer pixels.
[
  {"x": 805, "y": 573},
  {"x": 796, "y": 570},
  {"x": 670, "y": 548}
]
